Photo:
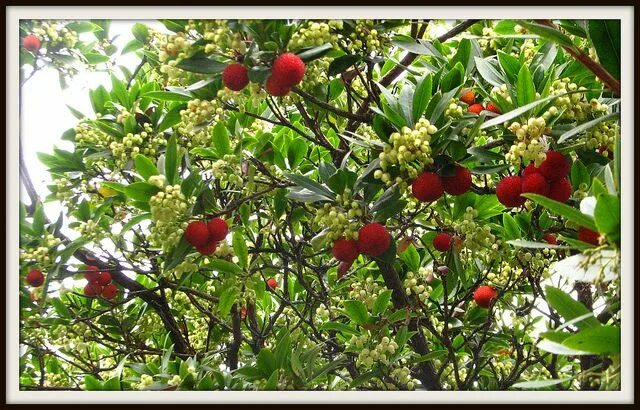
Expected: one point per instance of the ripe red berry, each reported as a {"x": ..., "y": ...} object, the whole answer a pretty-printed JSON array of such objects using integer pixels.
[
  {"x": 588, "y": 236},
  {"x": 31, "y": 43},
  {"x": 345, "y": 250},
  {"x": 550, "y": 238},
  {"x": 560, "y": 190},
  {"x": 243, "y": 312},
  {"x": 536, "y": 184},
  {"x": 276, "y": 88},
  {"x": 459, "y": 183},
  {"x": 484, "y": 295},
  {"x": 493, "y": 108},
  {"x": 92, "y": 289},
  {"x": 287, "y": 69},
  {"x": 197, "y": 233},
  {"x": 427, "y": 187},
  {"x": 104, "y": 278},
  {"x": 218, "y": 229},
  {"x": 508, "y": 192},
  {"x": 272, "y": 283},
  {"x": 373, "y": 239},
  {"x": 91, "y": 273},
  {"x": 530, "y": 169},
  {"x": 208, "y": 248},
  {"x": 555, "y": 166},
  {"x": 109, "y": 291},
  {"x": 235, "y": 77},
  {"x": 35, "y": 278},
  {"x": 442, "y": 242},
  {"x": 469, "y": 97},
  {"x": 475, "y": 108}
]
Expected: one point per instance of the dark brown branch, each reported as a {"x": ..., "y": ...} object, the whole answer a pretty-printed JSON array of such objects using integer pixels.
[{"x": 329, "y": 107}]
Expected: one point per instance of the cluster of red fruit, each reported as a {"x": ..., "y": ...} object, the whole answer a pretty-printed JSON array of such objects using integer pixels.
[
  {"x": 550, "y": 180},
  {"x": 31, "y": 43},
  {"x": 99, "y": 283},
  {"x": 205, "y": 236},
  {"x": 469, "y": 98},
  {"x": 430, "y": 186},
  {"x": 287, "y": 71},
  {"x": 373, "y": 240}
]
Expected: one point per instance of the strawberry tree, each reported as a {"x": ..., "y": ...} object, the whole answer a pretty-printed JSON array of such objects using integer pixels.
[{"x": 344, "y": 204}]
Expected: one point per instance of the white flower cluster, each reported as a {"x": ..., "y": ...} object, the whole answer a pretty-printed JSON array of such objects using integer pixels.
[
  {"x": 409, "y": 150},
  {"x": 43, "y": 254},
  {"x": 530, "y": 142},
  {"x": 56, "y": 35},
  {"x": 476, "y": 236},
  {"x": 341, "y": 218},
  {"x": 169, "y": 211},
  {"x": 418, "y": 284},
  {"x": 195, "y": 121},
  {"x": 313, "y": 33},
  {"x": 367, "y": 291}
]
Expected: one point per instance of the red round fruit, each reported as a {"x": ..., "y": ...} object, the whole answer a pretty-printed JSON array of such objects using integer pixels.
[
  {"x": 243, "y": 312},
  {"x": 560, "y": 190},
  {"x": 588, "y": 236},
  {"x": 475, "y": 108},
  {"x": 530, "y": 169},
  {"x": 287, "y": 69},
  {"x": 197, "y": 233},
  {"x": 550, "y": 238},
  {"x": 276, "y": 88},
  {"x": 91, "y": 273},
  {"x": 535, "y": 184},
  {"x": 35, "y": 278},
  {"x": 208, "y": 248},
  {"x": 442, "y": 242},
  {"x": 508, "y": 192},
  {"x": 493, "y": 108},
  {"x": 92, "y": 289},
  {"x": 272, "y": 283},
  {"x": 104, "y": 278},
  {"x": 427, "y": 187},
  {"x": 109, "y": 291},
  {"x": 218, "y": 229},
  {"x": 459, "y": 183},
  {"x": 345, "y": 250},
  {"x": 469, "y": 97},
  {"x": 235, "y": 77},
  {"x": 31, "y": 43},
  {"x": 373, "y": 239},
  {"x": 555, "y": 166},
  {"x": 484, "y": 296}
]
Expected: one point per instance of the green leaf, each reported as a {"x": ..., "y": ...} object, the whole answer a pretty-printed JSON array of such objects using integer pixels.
[
  {"x": 538, "y": 384},
  {"x": 171, "y": 161},
  {"x": 240, "y": 249},
  {"x": 339, "y": 327},
  {"x": 227, "y": 299},
  {"x": 607, "y": 215},
  {"x": 145, "y": 167},
  {"x": 220, "y": 265},
  {"x": 356, "y": 311},
  {"x": 579, "y": 174},
  {"x": 283, "y": 349},
  {"x": 596, "y": 340},
  {"x": 489, "y": 73},
  {"x": 381, "y": 303},
  {"x": 362, "y": 379},
  {"x": 510, "y": 65},
  {"x": 91, "y": 383},
  {"x": 463, "y": 55},
  {"x": 61, "y": 309},
  {"x": 141, "y": 191},
  {"x": 421, "y": 96},
  {"x": 296, "y": 152},
  {"x": 606, "y": 39},
  {"x": 547, "y": 32},
  {"x": 220, "y": 139},
  {"x": 83, "y": 27},
  {"x": 168, "y": 96},
  {"x": 340, "y": 64},
  {"x": 558, "y": 348},
  {"x": 266, "y": 362},
  {"x": 140, "y": 32},
  {"x": 525, "y": 89},
  {"x": 519, "y": 243},
  {"x": 311, "y": 185},
  {"x": 511, "y": 228},
  {"x": 135, "y": 221},
  {"x": 572, "y": 214},
  {"x": 113, "y": 384},
  {"x": 569, "y": 308},
  {"x": 131, "y": 46},
  {"x": 315, "y": 52},
  {"x": 201, "y": 65},
  {"x": 585, "y": 126}
]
